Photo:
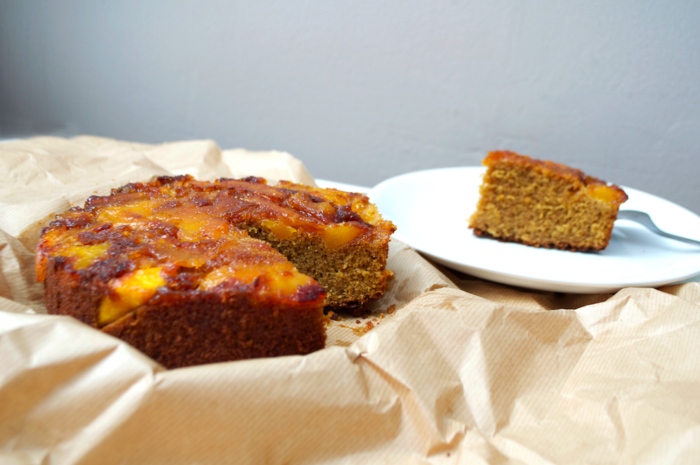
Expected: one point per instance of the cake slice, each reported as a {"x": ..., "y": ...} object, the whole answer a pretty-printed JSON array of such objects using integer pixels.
[{"x": 544, "y": 204}]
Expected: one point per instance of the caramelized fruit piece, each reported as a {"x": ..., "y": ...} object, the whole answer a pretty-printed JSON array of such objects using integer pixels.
[
  {"x": 265, "y": 278},
  {"x": 604, "y": 193},
  {"x": 286, "y": 282},
  {"x": 193, "y": 224},
  {"x": 245, "y": 275},
  {"x": 85, "y": 255},
  {"x": 126, "y": 213},
  {"x": 279, "y": 229},
  {"x": 340, "y": 234},
  {"x": 128, "y": 292}
]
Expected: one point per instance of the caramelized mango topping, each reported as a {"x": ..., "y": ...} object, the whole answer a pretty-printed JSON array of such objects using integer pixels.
[
  {"x": 340, "y": 235},
  {"x": 239, "y": 276},
  {"x": 85, "y": 255},
  {"x": 279, "y": 229},
  {"x": 279, "y": 282},
  {"x": 129, "y": 292},
  {"x": 604, "y": 193},
  {"x": 193, "y": 224},
  {"x": 126, "y": 213},
  {"x": 180, "y": 256},
  {"x": 287, "y": 282},
  {"x": 197, "y": 232},
  {"x": 367, "y": 211}
]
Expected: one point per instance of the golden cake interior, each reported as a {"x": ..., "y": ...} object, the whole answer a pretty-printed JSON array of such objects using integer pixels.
[{"x": 544, "y": 204}]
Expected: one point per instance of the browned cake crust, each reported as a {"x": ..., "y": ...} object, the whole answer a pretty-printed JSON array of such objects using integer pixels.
[
  {"x": 182, "y": 330},
  {"x": 544, "y": 204},
  {"x": 186, "y": 328},
  {"x": 166, "y": 267},
  {"x": 545, "y": 245}
]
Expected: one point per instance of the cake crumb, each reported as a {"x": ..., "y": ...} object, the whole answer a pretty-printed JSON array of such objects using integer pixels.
[
  {"x": 391, "y": 309},
  {"x": 327, "y": 320},
  {"x": 361, "y": 330}
]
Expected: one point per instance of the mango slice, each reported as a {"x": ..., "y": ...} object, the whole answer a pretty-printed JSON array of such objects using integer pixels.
[
  {"x": 124, "y": 214},
  {"x": 85, "y": 255},
  {"x": 130, "y": 291},
  {"x": 603, "y": 193},
  {"x": 279, "y": 229},
  {"x": 340, "y": 235},
  {"x": 280, "y": 282}
]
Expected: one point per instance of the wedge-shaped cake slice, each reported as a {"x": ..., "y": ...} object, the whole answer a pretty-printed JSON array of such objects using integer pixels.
[{"x": 544, "y": 204}]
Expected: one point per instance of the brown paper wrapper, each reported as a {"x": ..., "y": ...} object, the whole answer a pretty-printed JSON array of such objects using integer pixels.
[{"x": 460, "y": 371}]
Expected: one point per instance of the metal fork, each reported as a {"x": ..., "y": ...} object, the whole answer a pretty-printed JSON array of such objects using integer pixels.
[{"x": 645, "y": 220}]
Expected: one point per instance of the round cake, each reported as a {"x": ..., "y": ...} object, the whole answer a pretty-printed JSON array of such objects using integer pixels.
[{"x": 194, "y": 272}]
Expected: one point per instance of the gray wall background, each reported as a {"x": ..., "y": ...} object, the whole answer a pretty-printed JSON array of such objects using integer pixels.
[{"x": 365, "y": 90}]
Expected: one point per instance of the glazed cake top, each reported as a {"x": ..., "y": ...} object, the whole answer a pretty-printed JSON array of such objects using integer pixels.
[
  {"x": 178, "y": 234},
  {"x": 598, "y": 188}
]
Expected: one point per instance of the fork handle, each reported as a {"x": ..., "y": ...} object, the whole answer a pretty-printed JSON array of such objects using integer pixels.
[
  {"x": 645, "y": 219},
  {"x": 672, "y": 236}
]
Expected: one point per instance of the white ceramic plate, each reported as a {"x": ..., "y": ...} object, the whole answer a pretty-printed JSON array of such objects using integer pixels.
[{"x": 431, "y": 208}]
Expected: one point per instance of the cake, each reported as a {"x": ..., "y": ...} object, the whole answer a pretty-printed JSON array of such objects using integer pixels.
[
  {"x": 544, "y": 204},
  {"x": 194, "y": 272}
]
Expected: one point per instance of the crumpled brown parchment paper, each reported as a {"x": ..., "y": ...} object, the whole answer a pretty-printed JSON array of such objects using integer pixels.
[{"x": 460, "y": 371}]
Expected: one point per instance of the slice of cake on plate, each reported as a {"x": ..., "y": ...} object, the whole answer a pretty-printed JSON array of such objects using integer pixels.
[{"x": 544, "y": 204}]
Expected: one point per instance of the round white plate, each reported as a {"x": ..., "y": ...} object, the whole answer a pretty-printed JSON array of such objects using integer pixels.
[{"x": 431, "y": 209}]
